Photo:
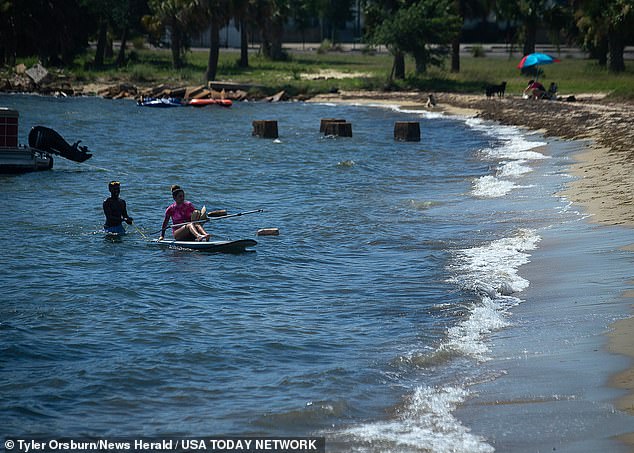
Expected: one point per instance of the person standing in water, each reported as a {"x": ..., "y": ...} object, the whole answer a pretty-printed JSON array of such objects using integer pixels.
[
  {"x": 115, "y": 210},
  {"x": 184, "y": 212}
]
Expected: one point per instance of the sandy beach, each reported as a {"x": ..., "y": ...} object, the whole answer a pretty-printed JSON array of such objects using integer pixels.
[
  {"x": 605, "y": 171},
  {"x": 604, "y": 183}
]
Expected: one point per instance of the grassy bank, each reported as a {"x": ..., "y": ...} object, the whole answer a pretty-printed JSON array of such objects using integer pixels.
[{"x": 312, "y": 73}]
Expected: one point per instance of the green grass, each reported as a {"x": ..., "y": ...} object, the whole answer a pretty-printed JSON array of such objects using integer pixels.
[{"x": 573, "y": 76}]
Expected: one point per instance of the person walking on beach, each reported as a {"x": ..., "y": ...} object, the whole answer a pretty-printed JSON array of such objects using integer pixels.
[
  {"x": 184, "y": 212},
  {"x": 115, "y": 210}
]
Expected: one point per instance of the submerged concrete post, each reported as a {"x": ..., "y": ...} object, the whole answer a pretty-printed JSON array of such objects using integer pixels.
[
  {"x": 324, "y": 121},
  {"x": 338, "y": 129},
  {"x": 408, "y": 131},
  {"x": 265, "y": 128}
]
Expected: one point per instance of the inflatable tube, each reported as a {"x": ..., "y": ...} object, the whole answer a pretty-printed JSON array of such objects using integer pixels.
[{"x": 204, "y": 102}]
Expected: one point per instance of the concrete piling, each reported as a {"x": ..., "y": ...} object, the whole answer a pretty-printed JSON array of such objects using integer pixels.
[
  {"x": 408, "y": 131},
  {"x": 324, "y": 121},
  {"x": 338, "y": 129},
  {"x": 265, "y": 128}
]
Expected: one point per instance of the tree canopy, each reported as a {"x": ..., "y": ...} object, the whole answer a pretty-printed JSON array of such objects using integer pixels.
[
  {"x": 56, "y": 31},
  {"x": 423, "y": 29}
]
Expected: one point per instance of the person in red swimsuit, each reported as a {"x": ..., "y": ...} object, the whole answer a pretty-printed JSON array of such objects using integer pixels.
[
  {"x": 183, "y": 212},
  {"x": 534, "y": 90}
]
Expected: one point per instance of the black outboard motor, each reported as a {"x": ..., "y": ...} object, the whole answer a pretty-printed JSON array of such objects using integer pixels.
[{"x": 47, "y": 140}]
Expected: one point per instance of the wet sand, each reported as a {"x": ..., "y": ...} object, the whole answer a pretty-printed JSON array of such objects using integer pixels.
[{"x": 605, "y": 171}]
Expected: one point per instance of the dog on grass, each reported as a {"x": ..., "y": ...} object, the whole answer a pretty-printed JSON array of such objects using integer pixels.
[{"x": 496, "y": 90}]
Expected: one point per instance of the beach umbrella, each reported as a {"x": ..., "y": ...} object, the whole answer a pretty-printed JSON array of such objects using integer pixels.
[{"x": 536, "y": 59}]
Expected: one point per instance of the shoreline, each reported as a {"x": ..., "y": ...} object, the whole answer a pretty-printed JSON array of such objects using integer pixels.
[
  {"x": 604, "y": 186},
  {"x": 604, "y": 172}
]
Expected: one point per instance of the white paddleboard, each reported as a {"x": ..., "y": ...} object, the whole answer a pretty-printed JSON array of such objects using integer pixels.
[{"x": 211, "y": 246}]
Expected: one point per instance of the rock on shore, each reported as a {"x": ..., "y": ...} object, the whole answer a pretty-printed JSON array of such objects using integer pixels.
[{"x": 38, "y": 79}]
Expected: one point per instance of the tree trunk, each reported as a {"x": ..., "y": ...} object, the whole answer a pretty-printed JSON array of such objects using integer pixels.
[
  {"x": 175, "y": 46},
  {"x": 455, "y": 43},
  {"x": 420, "y": 60},
  {"x": 276, "y": 40},
  {"x": 10, "y": 45},
  {"x": 244, "y": 45},
  {"x": 455, "y": 54},
  {"x": 616, "y": 47},
  {"x": 108, "y": 52},
  {"x": 214, "y": 51},
  {"x": 124, "y": 42},
  {"x": 530, "y": 35},
  {"x": 398, "y": 67},
  {"x": 101, "y": 43},
  {"x": 265, "y": 40}
]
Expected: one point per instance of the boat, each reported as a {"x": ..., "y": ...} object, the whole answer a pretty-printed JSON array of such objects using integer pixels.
[
  {"x": 205, "y": 102},
  {"x": 38, "y": 155},
  {"x": 46, "y": 139},
  {"x": 160, "y": 102},
  {"x": 238, "y": 246}
]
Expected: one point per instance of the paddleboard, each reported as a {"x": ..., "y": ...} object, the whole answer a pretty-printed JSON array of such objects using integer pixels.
[{"x": 212, "y": 246}]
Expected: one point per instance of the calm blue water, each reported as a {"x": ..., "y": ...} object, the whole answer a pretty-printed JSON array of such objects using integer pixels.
[{"x": 394, "y": 262}]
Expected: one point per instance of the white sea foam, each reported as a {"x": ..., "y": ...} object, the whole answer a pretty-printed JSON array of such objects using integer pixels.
[
  {"x": 495, "y": 265},
  {"x": 427, "y": 420},
  {"x": 513, "y": 154},
  {"x": 514, "y": 143},
  {"x": 491, "y": 187},
  {"x": 423, "y": 113},
  {"x": 513, "y": 169},
  {"x": 467, "y": 337},
  {"x": 490, "y": 271}
]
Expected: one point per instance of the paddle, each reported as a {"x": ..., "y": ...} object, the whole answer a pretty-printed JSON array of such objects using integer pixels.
[
  {"x": 139, "y": 231},
  {"x": 212, "y": 218}
]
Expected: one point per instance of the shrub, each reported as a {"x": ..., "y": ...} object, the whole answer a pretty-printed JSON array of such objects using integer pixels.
[
  {"x": 477, "y": 51},
  {"x": 138, "y": 43}
]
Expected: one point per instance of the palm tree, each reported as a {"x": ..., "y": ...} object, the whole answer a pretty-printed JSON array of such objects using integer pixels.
[
  {"x": 606, "y": 26},
  {"x": 242, "y": 11},
  {"x": 174, "y": 17},
  {"x": 375, "y": 12},
  {"x": 466, "y": 9},
  {"x": 215, "y": 14}
]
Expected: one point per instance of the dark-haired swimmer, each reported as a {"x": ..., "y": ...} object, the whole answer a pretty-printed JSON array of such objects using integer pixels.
[{"x": 115, "y": 210}]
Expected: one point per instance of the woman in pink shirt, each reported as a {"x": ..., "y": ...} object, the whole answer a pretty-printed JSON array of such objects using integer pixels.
[{"x": 182, "y": 211}]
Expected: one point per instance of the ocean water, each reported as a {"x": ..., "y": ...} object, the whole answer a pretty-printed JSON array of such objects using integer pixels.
[{"x": 369, "y": 320}]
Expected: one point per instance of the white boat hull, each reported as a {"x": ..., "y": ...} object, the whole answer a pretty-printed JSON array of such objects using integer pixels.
[{"x": 23, "y": 159}]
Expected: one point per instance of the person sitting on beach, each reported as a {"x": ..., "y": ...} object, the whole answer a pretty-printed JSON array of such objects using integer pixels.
[
  {"x": 552, "y": 91},
  {"x": 184, "y": 213},
  {"x": 534, "y": 90},
  {"x": 115, "y": 210}
]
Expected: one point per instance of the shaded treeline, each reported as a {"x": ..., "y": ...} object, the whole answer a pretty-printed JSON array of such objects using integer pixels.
[{"x": 56, "y": 31}]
